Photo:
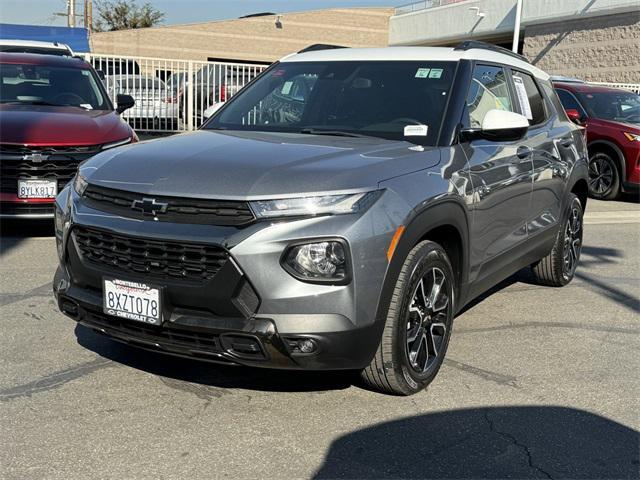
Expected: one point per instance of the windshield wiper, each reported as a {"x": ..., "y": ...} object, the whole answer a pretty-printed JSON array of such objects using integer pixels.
[{"x": 335, "y": 133}]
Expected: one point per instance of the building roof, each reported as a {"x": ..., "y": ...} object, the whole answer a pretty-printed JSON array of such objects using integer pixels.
[
  {"x": 441, "y": 54},
  {"x": 42, "y": 59}
]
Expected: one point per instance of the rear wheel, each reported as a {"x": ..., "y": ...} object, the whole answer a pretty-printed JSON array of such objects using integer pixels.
[
  {"x": 558, "y": 268},
  {"x": 604, "y": 177},
  {"x": 418, "y": 324}
]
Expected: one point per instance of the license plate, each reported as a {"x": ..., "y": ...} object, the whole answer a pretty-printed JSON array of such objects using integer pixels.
[
  {"x": 132, "y": 300},
  {"x": 37, "y": 188}
]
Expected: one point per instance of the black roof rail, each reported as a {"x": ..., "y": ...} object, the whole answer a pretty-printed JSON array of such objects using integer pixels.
[
  {"x": 320, "y": 46},
  {"x": 470, "y": 44}
]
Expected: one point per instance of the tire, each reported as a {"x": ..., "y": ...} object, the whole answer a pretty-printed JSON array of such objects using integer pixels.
[
  {"x": 559, "y": 266},
  {"x": 416, "y": 326},
  {"x": 604, "y": 177}
]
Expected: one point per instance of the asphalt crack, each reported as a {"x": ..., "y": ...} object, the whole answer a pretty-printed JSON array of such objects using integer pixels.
[
  {"x": 54, "y": 380},
  {"x": 518, "y": 444}
]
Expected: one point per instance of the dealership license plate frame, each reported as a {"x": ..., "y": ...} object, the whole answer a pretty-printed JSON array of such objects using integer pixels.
[
  {"x": 34, "y": 183},
  {"x": 140, "y": 290}
]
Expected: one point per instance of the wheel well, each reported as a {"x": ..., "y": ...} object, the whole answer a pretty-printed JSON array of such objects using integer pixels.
[
  {"x": 581, "y": 190},
  {"x": 448, "y": 237}
]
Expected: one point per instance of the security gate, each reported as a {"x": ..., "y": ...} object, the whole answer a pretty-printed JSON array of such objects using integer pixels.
[{"x": 170, "y": 95}]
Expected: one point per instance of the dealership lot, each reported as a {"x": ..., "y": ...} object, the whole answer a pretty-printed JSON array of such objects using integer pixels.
[{"x": 538, "y": 383}]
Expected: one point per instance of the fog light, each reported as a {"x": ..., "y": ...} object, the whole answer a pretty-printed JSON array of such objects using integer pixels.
[
  {"x": 306, "y": 346},
  {"x": 319, "y": 261}
]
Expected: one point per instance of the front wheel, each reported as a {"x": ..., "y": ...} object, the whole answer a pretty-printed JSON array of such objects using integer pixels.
[
  {"x": 418, "y": 324},
  {"x": 604, "y": 178}
]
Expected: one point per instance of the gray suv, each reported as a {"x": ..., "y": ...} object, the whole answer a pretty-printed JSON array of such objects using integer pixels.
[{"x": 335, "y": 214}]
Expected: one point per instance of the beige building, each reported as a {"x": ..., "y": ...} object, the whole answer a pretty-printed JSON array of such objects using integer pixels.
[
  {"x": 256, "y": 39},
  {"x": 595, "y": 40}
]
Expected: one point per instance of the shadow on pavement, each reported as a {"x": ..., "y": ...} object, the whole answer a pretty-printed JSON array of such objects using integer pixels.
[
  {"x": 14, "y": 232},
  {"x": 212, "y": 374},
  {"x": 500, "y": 442}
]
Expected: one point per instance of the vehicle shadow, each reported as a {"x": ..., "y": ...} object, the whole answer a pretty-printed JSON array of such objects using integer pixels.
[
  {"x": 496, "y": 442},
  {"x": 14, "y": 232},
  {"x": 213, "y": 374}
]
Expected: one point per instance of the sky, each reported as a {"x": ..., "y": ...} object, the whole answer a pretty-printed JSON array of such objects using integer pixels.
[{"x": 41, "y": 12}]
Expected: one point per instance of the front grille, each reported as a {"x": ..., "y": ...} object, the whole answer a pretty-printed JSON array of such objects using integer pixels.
[
  {"x": 10, "y": 208},
  {"x": 179, "y": 210},
  {"x": 152, "y": 258},
  {"x": 165, "y": 336},
  {"x": 59, "y": 163}
]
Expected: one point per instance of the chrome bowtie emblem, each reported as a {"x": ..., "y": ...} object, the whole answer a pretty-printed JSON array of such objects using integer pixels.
[
  {"x": 35, "y": 157},
  {"x": 149, "y": 206}
]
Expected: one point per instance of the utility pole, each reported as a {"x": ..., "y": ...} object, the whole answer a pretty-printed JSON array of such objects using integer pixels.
[
  {"x": 88, "y": 15},
  {"x": 516, "y": 28},
  {"x": 71, "y": 13}
]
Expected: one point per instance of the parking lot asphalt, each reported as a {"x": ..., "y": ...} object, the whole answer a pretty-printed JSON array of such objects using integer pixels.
[{"x": 538, "y": 383}]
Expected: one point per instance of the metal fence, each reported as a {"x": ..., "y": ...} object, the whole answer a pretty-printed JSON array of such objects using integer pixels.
[
  {"x": 633, "y": 87},
  {"x": 171, "y": 95}
]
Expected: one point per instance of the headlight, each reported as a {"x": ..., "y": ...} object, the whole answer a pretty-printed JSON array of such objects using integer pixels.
[
  {"x": 318, "y": 262},
  {"x": 321, "y": 205},
  {"x": 118, "y": 143},
  {"x": 80, "y": 184},
  {"x": 632, "y": 137}
]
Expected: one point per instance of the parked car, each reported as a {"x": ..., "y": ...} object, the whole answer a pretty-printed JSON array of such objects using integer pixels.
[
  {"x": 54, "y": 113},
  {"x": 155, "y": 106},
  {"x": 612, "y": 120},
  {"x": 213, "y": 84},
  {"x": 33, "y": 46},
  {"x": 335, "y": 214}
]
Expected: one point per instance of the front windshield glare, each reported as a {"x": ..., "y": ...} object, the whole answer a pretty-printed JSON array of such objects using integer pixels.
[
  {"x": 395, "y": 100},
  {"x": 45, "y": 85},
  {"x": 616, "y": 106}
]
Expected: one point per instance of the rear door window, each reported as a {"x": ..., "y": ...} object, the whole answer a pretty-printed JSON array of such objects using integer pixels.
[{"x": 529, "y": 98}]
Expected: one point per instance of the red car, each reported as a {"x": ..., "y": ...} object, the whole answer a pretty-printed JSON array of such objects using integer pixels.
[
  {"x": 612, "y": 119},
  {"x": 54, "y": 113}
]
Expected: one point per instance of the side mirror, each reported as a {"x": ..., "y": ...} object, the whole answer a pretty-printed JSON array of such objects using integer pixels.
[
  {"x": 575, "y": 116},
  {"x": 124, "y": 102},
  {"x": 499, "y": 125}
]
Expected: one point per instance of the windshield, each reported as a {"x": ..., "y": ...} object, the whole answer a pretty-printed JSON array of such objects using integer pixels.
[
  {"x": 617, "y": 106},
  {"x": 395, "y": 100},
  {"x": 46, "y": 85}
]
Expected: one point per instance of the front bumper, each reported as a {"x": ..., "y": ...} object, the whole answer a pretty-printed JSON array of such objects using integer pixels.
[
  {"x": 253, "y": 341},
  {"x": 203, "y": 320}
]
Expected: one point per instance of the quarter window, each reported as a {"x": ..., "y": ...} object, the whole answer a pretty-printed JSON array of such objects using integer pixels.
[
  {"x": 529, "y": 98},
  {"x": 488, "y": 91}
]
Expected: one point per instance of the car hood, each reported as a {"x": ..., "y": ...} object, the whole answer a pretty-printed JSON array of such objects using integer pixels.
[
  {"x": 626, "y": 126},
  {"x": 254, "y": 165},
  {"x": 51, "y": 126}
]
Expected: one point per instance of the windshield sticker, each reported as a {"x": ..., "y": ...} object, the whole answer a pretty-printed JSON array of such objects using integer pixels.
[
  {"x": 523, "y": 99},
  {"x": 286, "y": 88},
  {"x": 435, "y": 73},
  {"x": 422, "y": 73},
  {"x": 415, "y": 130}
]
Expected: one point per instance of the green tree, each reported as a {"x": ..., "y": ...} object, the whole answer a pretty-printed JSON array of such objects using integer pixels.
[{"x": 125, "y": 14}]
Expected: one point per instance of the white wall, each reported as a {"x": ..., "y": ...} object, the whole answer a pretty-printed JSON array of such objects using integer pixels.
[{"x": 453, "y": 22}]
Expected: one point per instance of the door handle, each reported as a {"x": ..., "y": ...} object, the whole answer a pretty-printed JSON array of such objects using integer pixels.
[
  {"x": 566, "y": 142},
  {"x": 523, "y": 152}
]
